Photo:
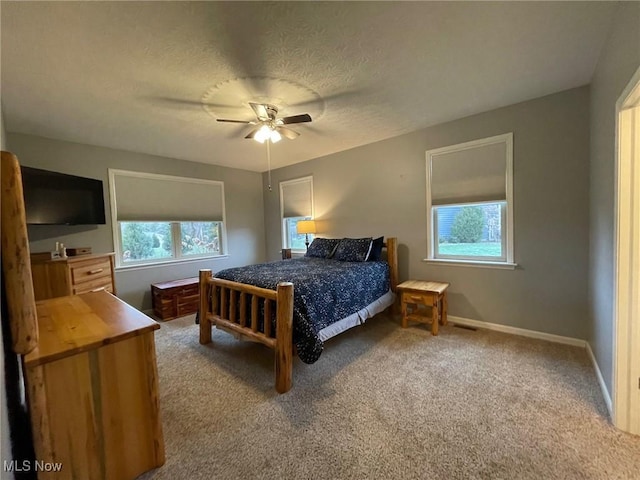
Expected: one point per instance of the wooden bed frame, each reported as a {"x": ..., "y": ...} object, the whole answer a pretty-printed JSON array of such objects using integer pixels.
[{"x": 218, "y": 307}]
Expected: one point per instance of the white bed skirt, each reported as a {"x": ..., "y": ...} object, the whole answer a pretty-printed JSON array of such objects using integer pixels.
[{"x": 359, "y": 317}]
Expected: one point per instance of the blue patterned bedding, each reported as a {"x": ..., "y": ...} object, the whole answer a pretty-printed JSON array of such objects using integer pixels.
[{"x": 325, "y": 291}]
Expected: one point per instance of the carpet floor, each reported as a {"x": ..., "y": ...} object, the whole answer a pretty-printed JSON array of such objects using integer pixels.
[{"x": 387, "y": 403}]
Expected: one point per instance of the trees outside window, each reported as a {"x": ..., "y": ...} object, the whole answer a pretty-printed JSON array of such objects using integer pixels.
[
  {"x": 148, "y": 241},
  {"x": 470, "y": 231}
]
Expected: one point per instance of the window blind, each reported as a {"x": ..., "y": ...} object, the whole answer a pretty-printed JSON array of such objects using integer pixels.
[
  {"x": 476, "y": 174},
  {"x": 158, "y": 198},
  {"x": 297, "y": 198}
]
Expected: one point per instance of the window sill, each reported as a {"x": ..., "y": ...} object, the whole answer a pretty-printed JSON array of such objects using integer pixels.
[
  {"x": 471, "y": 263},
  {"x": 166, "y": 263}
]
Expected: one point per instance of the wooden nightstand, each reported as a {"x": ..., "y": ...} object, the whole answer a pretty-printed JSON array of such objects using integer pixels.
[{"x": 430, "y": 294}]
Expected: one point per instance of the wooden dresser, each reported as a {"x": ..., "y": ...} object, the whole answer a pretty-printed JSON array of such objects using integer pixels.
[
  {"x": 92, "y": 386},
  {"x": 176, "y": 298},
  {"x": 72, "y": 275}
]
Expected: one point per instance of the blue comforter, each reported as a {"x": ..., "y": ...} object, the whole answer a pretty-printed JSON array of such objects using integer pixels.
[{"x": 325, "y": 291}]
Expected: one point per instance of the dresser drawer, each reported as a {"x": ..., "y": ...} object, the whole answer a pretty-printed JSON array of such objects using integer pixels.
[
  {"x": 94, "y": 285},
  {"x": 90, "y": 271}
]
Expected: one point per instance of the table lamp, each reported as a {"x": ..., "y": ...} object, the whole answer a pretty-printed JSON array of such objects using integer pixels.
[{"x": 306, "y": 227}]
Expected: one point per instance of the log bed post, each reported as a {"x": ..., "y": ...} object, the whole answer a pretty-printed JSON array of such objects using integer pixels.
[
  {"x": 16, "y": 265},
  {"x": 203, "y": 308},
  {"x": 284, "y": 337},
  {"x": 392, "y": 260}
]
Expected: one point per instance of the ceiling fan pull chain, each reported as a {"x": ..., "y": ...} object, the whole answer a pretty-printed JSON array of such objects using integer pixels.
[{"x": 268, "y": 142}]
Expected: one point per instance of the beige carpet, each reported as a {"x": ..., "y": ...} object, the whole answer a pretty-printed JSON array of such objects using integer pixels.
[{"x": 387, "y": 403}]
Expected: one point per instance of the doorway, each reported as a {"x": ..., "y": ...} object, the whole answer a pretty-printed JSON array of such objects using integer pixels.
[{"x": 626, "y": 388}]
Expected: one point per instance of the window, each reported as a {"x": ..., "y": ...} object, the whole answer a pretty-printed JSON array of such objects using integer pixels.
[
  {"x": 142, "y": 241},
  {"x": 293, "y": 239},
  {"x": 200, "y": 238},
  {"x": 160, "y": 218},
  {"x": 296, "y": 203},
  {"x": 470, "y": 202}
]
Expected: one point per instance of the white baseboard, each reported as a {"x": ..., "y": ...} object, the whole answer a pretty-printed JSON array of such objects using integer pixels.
[
  {"x": 603, "y": 386},
  {"x": 576, "y": 342}
]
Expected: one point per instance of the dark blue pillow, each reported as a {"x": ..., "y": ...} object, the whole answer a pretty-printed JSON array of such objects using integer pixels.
[
  {"x": 353, "y": 249},
  {"x": 322, "y": 247},
  {"x": 376, "y": 250}
]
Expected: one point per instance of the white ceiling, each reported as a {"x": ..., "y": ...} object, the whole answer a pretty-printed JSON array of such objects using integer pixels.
[{"x": 132, "y": 75}]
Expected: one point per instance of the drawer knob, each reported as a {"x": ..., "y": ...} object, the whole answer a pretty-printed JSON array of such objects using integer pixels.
[{"x": 97, "y": 270}]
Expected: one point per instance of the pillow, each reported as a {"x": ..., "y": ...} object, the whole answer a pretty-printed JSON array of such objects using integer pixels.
[
  {"x": 376, "y": 250},
  {"x": 322, "y": 247},
  {"x": 353, "y": 249}
]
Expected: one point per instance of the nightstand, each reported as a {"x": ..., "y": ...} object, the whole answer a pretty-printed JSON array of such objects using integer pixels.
[{"x": 414, "y": 293}]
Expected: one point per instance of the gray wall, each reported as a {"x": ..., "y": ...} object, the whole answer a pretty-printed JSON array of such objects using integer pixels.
[
  {"x": 380, "y": 189},
  {"x": 619, "y": 59},
  {"x": 243, "y": 202}
]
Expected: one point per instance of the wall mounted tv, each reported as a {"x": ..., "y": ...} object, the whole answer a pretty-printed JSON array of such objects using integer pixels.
[{"x": 53, "y": 198}]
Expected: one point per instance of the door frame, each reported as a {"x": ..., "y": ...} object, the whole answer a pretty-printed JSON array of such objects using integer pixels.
[{"x": 626, "y": 348}]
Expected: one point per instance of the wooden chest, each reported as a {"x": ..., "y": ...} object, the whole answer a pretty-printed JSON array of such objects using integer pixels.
[{"x": 176, "y": 298}]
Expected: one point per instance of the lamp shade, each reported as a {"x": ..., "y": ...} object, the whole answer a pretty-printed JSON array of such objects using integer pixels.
[{"x": 306, "y": 226}]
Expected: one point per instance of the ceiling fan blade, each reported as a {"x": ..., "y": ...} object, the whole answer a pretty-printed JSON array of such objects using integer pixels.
[
  {"x": 185, "y": 103},
  {"x": 261, "y": 110},
  {"x": 252, "y": 133},
  {"x": 288, "y": 133},
  {"x": 232, "y": 121},
  {"x": 322, "y": 101},
  {"x": 305, "y": 117}
]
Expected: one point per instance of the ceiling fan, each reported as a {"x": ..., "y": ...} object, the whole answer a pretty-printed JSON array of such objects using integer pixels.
[{"x": 268, "y": 126}]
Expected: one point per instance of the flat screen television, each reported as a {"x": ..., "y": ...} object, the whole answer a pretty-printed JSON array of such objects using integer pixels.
[{"x": 53, "y": 198}]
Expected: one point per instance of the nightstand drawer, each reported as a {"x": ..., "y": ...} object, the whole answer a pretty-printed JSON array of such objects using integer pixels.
[{"x": 424, "y": 299}]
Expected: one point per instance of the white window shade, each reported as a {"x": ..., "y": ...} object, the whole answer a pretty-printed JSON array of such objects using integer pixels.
[
  {"x": 476, "y": 174},
  {"x": 148, "y": 197},
  {"x": 297, "y": 198}
]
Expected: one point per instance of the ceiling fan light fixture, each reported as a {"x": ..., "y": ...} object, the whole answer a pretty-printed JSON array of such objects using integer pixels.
[
  {"x": 262, "y": 134},
  {"x": 275, "y": 136},
  {"x": 267, "y": 133}
]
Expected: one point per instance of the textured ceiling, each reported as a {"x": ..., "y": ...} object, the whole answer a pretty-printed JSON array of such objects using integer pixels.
[{"x": 134, "y": 75}]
